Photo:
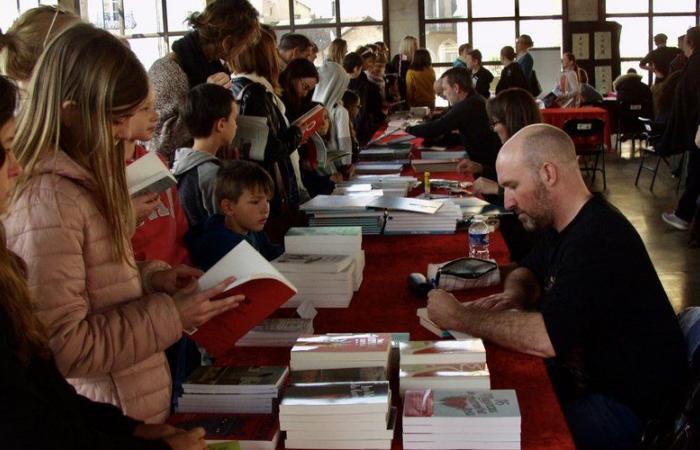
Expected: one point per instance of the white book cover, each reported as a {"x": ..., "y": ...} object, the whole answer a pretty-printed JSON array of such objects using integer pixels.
[
  {"x": 295, "y": 262},
  {"x": 148, "y": 174},
  {"x": 442, "y": 352},
  {"x": 406, "y": 204}
]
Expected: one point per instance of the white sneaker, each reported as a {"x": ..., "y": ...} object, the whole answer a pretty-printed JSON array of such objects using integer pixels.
[{"x": 675, "y": 221}]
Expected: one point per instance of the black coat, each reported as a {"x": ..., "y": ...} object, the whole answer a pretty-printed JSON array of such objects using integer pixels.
[
  {"x": 482, "y": 82},
  {"x": 679, "y": 135},
  {"x": 40, "y": 410},
  {"x": 282, "y": 140},
  {"x": 512, "y": 76},
  {"x": 371, "y": 115},
  {"x": 400, "y": 67}
]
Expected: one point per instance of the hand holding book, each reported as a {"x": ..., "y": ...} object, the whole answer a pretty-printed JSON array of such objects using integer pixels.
[
  {"x": 144, "y": 204},
  {"x": 196, "y": 308},
  {"x": 174, "y": 279}
]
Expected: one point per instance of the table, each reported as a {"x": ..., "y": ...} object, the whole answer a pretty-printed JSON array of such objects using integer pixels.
[
  {"x": 384, "y": 303},
  {"x": 559, "y": 116}
]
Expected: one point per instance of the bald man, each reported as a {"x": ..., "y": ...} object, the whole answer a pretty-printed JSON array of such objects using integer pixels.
[{"x": 587, "y": 298}]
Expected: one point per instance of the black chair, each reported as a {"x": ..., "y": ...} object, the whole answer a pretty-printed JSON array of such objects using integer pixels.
[
  {"x": 628, "y": 125},
  {"x": 589, "y": 139},
  {"x": 651, "y": 135}
]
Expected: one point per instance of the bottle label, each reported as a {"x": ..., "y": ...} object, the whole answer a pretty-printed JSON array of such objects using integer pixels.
[{"x": 479, "y": 239}]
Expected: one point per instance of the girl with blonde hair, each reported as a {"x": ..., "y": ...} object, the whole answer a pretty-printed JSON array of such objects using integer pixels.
[
  {"x": 337, "y": 50},
  {"x": 26, "y": 39},
  {"x": 403, "y": 60},
  {"x": 108, "y": 319}
]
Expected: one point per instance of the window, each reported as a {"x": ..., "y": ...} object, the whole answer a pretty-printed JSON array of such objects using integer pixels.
[
  {"x": 642, "y": 20},
  {"x": 489, "y": 25},
  {"x": 11, "y": 9}
]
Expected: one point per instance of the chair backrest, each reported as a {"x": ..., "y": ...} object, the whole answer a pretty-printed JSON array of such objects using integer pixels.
[{"x": 587, "y": 134}]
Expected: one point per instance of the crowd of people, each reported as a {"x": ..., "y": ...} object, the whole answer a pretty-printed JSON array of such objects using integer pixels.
[{"x": 98, "y": 286}]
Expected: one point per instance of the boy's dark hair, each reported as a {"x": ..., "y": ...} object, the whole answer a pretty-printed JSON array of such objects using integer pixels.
[
  {"x": 459, "y": 76},
  {"x": 351, "y": 61},
  {"x": 236, "y": 176},
  {"x": 8, "y": 99},
  {"x": 290, "y": 41},
  {"x": 476, "y": 55},
  {"x": 508, "y": 52},
  {"x": 464, "y": 47},
  {"x": 421, "y": 59},
  {"x": 350, "y": 98},
  {"x": 206, "y": 103}
]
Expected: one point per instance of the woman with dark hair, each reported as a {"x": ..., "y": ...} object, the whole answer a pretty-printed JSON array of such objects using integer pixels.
[
  {"x": 219, "y": 33},
  {"x": 257, "y": 90},
  {"x": 297, "y": 81},
  {"x": 420, "y": 79}
]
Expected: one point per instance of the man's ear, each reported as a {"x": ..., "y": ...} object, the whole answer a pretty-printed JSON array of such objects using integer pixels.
[
  {"x": 549, "y": 174},
  {"x": 69, "y": 113},
  {"x": 226, "y": 206}
]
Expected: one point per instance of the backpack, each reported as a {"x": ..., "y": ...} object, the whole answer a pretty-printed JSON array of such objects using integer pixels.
[{"x": 535, "y": 88}]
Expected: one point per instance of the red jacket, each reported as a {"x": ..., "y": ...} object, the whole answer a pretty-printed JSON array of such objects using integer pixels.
[{"x": 161, "y": 235}]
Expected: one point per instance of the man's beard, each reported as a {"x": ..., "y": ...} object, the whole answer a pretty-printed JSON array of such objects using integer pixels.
[{"x": 540, "y": 217}]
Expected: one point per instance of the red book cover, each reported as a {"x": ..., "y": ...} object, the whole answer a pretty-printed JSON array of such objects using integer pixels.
[
  {"x": 228, "y": 427},
  {"x": 265, "y": 290},
  {"x": 310, "y": 121}
]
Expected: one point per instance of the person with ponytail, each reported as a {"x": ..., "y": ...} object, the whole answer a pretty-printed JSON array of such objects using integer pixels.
[
  {"x": 26, "y": 39},
  {"x": 108, "y": 318},
  {"x": 39, "y": 409},
  {"x": 568, "y": 90},
  {"x": 203, "y": 55}
]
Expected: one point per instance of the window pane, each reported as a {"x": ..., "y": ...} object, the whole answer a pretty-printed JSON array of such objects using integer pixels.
[
  {"x": 626, "y": 6},
  {"x": 273, "y": 12},
  {"x": 490, "y": 37},
  {"x": 633, "y": 37},
  {"x": 357, "y": 36},
  {"x": 314, "y": 11},
  {"x": 674, "y": 6},
  {"x": 141, "y": 16},
  {"x": 360, "y": 10},
  {"x": 544, "y": 33},
  {"x": 443, "y": 40},
  {"x": 672, "y": 27},
  {"x": 148, "y": 49},
  {"x": 322, "y": 37},
  {"x": 493, "y": 8},
  {"x": 438, "y": 9},
  {"x": 496, "y": 71},
  {"x": 8, "y": 14},
  {"x": 180, "y": 10},
  {"x": 540, "y": 7}
]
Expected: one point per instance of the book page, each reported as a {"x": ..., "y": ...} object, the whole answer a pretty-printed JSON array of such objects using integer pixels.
[{"x": 251, "y": 137}]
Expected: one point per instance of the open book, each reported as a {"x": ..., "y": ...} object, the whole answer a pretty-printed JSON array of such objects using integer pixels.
[
  {"x": 265, "y": 290},
  {"x": 148, "y": 174},
  {"x": 251, "y": 137},
  {"x": 310, "y": 121}
]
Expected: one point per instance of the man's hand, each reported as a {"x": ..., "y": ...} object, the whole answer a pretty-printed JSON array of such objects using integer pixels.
[
  {"x": 485, "y": 186},
  {"x": 445, "y": 310},
  {"x": 496, "y": 302},
  {"x": 468, "y": 166},
  {"x": 172, "y": 280}
]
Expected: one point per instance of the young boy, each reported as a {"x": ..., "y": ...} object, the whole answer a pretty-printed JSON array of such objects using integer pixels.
[
  {"x": 209, "y": 113},
  {"x": 461, "y": 60},
  {"x": 161, "y": 222},
  {"x": 243, "y": 192}
]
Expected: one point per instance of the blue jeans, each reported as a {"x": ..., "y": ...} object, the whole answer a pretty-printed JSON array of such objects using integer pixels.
[{"x": 600, "y": 422}]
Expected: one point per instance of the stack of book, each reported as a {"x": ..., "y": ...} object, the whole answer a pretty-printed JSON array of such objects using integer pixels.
[
  {"x": 434, "y": 165},
  {"x": 324, "y": 280},
  {"x": 340, "y": 240},
  {"x": 391, "y": 185},
  {"x": 467, "y": 419},
  {"x": 226, "y": 431},
  {"x": 343, "y": 210},
  {"x": 453, "y": 155},
  {"x": 277, "y": 333},
  {"x": 379, "y": 167},
  {"x": 341, "y": 351},
  {"x": 338, "y": 415},
  {"x": 443, "y": 365},
  {"x": 410, "y": 216},
  {"x": 397, "y": 155},
  {"x": 237, "y": 390}
]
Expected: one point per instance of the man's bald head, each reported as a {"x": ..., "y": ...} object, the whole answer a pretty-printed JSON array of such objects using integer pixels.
[{"x": 536, "y": 144}]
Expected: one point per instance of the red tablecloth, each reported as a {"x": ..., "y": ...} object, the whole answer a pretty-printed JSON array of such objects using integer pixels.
[{"x": 559, "y": 116}]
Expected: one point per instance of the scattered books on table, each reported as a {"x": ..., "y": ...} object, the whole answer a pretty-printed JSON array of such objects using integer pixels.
[
  {"x": 243, "y": 431},
  {"x": 324, "y": 280},
  {"x": 225, "y": 389},
  {"x": 339, "y": 351},
  {"x": 265, "y": 290},
  {"x": 444, "y": 221},
  {"x": 343, "y": 210},
  {"x": 464, "y": 376},
  {"x": 434, "y": 165},
  {"x": 338, "y": 415},
  {"x": 277, "y": 333},
  {"x": 148, "y": 174},
  {"x": 466, "y": 419},
  {"x": 443, "y": 352},
  {"x": 391, "y": 185}
]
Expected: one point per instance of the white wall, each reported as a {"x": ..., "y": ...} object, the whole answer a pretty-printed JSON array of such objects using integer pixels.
[{"x": 403, "y": 21}]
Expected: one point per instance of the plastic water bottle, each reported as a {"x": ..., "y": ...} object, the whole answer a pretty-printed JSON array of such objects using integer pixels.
[{"x": 479, "y": 238}]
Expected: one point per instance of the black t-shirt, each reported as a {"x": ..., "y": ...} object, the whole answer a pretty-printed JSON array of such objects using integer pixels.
[
  {"x": 606, "y": 312},
  {"x": 482, "y": 82},
  {"x": 661, "y": 57}
]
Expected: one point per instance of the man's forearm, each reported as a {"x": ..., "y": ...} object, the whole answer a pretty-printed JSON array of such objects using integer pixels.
[{"x": 521, "y": 284}]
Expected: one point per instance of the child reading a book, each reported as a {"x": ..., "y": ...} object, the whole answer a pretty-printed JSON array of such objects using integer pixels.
[
  {"x": 161, "y": 222},
  {"x": 107, "y": 319},
  {"x": 243, "y": 192},
  {"x": 210, "y": 113}
]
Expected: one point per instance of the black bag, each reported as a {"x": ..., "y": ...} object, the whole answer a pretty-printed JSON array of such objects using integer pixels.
[{"x": 535, "y": 88}]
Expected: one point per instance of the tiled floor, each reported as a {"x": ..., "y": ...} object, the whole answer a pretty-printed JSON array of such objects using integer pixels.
[{"x": 678, "y": 265}]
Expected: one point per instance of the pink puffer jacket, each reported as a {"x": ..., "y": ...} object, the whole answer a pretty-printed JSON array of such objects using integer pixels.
[{"x": 107, "y": 336}]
